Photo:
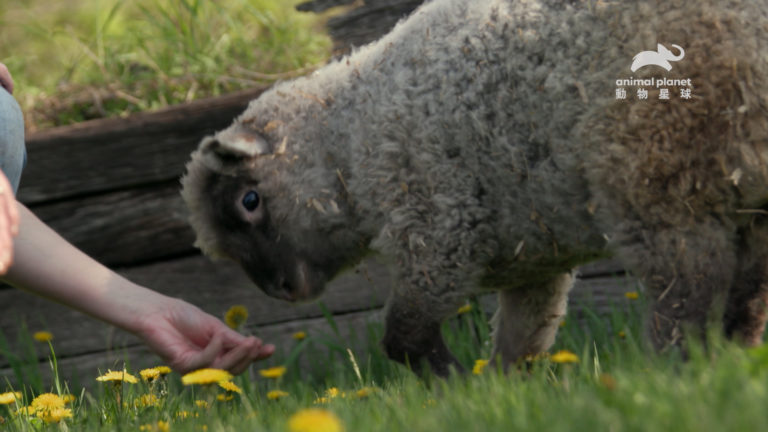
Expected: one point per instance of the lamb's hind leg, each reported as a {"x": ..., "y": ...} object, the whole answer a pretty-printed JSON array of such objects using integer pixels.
[
  {"x": 687, "y": 273},
  {"x": 747, "y": 309},
  {"x": 527, "y": 319}
]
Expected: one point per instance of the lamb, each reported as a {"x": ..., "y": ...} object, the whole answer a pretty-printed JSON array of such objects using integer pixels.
[{"x": 485, "y": 145}]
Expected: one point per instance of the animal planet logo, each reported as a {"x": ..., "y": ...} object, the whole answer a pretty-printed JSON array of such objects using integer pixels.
[{"x": 661, "y": 58}]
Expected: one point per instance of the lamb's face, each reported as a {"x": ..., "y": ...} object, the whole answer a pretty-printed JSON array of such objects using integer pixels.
[{"x": 242, "y": 208}]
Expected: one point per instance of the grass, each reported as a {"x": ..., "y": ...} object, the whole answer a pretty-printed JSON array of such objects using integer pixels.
[
  {"x": 85, "y": 59},
  {"x": 615, "y": 385}
]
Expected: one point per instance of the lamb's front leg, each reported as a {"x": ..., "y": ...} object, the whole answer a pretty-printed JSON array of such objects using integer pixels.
[
  {"x": 412, "y": 334},
  {"x": 527, "y": 320}
]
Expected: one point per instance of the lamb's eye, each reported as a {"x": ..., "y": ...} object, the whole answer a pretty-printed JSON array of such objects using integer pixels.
[{"x": 251, "y": 201}]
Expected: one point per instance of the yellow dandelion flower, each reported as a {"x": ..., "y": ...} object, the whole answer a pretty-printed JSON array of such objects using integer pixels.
[
  {"x": 300, "y": 335},
  {"x": 236, "y": 316},
  {"x": 224, "y": 397},
  {"x": 164, "y": 370},
  {"x": 150, "y": 374},
  {"x": 464, "y": 309},
  {"x": 47, "y": 402},
  {"x": 530, "y": 358},
  {"x": 206, "y": 376},
  {"x": 276, "y": 394},
  {"x": 184, "y": 414},
  {"x": 54, "y": 415},
  {"x": 315, "y": 420},
  {"x": 274, "y": 372},
  {"x": 564, "y": 356},
  {"x": 632, "y": 295},
  {"x": 69, "y": 398},
  {"x": 9, "y": 397},
  {"x": 333, "y": 392},
  {"x": 26, "y": 411},
  {"x": 201, "y": 404},
  {"x": 365, "y": 392},
  {"x": 160, "y": 426},
  {"x": 622, "y": 334},
  {"x": 230, "y": 387},
  {"x": 480, "y": 365},
  {"x": 118, "y": 377},
  {"x": 43, "y": 336},
  {"x": 147, "y": 400}
]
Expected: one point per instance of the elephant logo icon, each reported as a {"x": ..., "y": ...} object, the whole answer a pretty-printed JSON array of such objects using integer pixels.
[{"x": 661, "y": 57}]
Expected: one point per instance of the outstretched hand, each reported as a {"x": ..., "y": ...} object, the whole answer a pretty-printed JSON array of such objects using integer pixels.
[{"x": 188, "y": 339}]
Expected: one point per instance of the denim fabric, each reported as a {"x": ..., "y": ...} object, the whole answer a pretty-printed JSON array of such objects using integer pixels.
[{"x": 13, "y": 153}]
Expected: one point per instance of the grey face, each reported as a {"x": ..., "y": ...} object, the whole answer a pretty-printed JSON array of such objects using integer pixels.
[{"x": 249, "y": 236}]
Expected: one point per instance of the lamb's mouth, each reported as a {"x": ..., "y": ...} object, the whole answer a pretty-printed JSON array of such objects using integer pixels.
[{"x": 302, "y": 283}]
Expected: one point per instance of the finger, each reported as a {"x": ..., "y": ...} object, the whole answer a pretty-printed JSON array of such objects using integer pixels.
[
  {"x": 206, "y": 357},
  {"x": 235, "y": 357},
  {"x": 8, "y": 224},
  {"x": 5, "y": 78},
  {"x": 265, "y": 351}
]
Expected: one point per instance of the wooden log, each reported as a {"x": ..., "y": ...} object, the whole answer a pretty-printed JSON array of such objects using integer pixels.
[
  {"x": 120, "y": 153},
  {"x": 214, "y": 287},
  {"x": 124, "y": 228},
  {"x": 364, "y": 24}
]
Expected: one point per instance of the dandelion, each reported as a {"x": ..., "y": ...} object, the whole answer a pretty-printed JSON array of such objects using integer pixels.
[
  {"x": 299, "y": 335},
  {"x": 334, "y": 392},
  {"x": 236, "y": 316},
  {"x": 315, "y": 420},
  {"x": 160, "y": 426},
  {"x": 365, "y": 392},
  {"x": 150, "y": 374},
  {"x": 276, "y": 394},
  {"x": 206, "y": 376},
  {"x": 43, "y": 336},
  {"x": 224, "y": 397},
  {"x": 118, "y": 377},
  {"x": 274, "y": 372},
  {"x": 201, "y": 404},
  {"x": 230, "y": 387},
  {"x": 68, "y": 398},
  {"x": 464, "y": 309},
  {"x": 632, "y": 295},
  {"x": 564, "y": 356},
  {"x": 147, "y": 400},
  {"x": 164, "y": 370},
  {"x": 9, "y": 397},
  {"x": 47, "y": 402},
  {"x": 622, "y": 334},
  {"x": 480, "y": 364},
  {"x": 55, "y": 415}
]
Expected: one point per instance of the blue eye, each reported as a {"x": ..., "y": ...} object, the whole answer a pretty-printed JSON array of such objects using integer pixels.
[{"x": 251, "y": 201}]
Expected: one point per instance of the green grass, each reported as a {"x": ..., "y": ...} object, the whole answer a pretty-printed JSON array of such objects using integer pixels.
[
  {"x": 84, "y": 59},
  {"x": 616, "y": 385}
]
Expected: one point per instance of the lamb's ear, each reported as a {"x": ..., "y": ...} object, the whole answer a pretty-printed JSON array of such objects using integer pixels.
[{"x": 228, "y": 149}]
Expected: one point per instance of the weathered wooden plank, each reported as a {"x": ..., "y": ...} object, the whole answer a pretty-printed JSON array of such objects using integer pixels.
[
  {"x": 122, "y": 152},
  {"x": 83, "y": 368},
  {"x": 368, "y": 22},
  {"x": 124, "y": 228},
  {"x": 212, "y": 286},
  {"x": 608, "y": 267}
]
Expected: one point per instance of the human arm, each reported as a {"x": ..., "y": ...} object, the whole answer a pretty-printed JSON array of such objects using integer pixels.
[{"x": 186, "y": 337}]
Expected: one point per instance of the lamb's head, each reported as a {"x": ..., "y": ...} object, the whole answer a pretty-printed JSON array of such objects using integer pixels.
[{"x": 255, "y": 200}]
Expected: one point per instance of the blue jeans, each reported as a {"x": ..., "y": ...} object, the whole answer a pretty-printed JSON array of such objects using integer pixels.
[{"x": 13, "y": 153}]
